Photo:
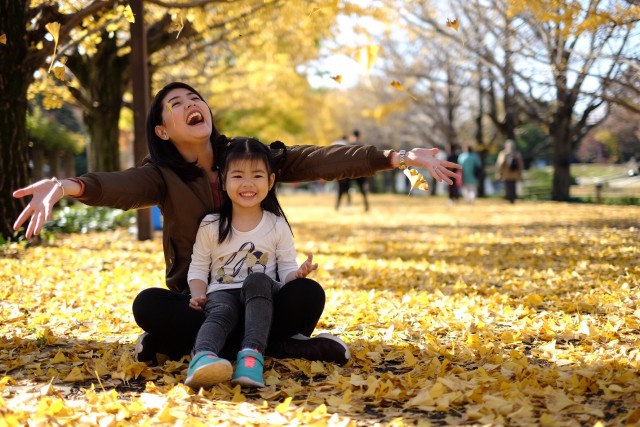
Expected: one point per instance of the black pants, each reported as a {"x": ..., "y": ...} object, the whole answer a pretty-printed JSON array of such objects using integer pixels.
[
  {"x": 343, "y": 189},
  {"x": 173, "y": 326},
  {"x": 510, "y": 190}
]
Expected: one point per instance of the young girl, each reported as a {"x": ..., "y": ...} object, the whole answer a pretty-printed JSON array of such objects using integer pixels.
[{"x": 237, "y": 256}]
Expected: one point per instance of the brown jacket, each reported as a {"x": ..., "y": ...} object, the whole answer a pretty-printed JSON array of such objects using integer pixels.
[
  {"x": 184, "y": 204},
  {"x": 503, "y": 171}
]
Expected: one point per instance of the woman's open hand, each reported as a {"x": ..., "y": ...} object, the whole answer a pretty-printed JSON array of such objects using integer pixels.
[
  {"x": 45, "y": 194},
  {"x": 441, "y": 170}
]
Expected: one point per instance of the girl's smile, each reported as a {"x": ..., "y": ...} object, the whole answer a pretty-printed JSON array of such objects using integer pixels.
[{"x": 247, "y": 183}]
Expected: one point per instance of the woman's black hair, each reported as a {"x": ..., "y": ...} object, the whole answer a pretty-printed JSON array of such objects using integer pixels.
[
  {"x": 165, "y": 153},
  {"x": 249, "y": 149}
]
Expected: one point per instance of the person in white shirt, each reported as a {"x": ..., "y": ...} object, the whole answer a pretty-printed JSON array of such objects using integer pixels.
[{"x": 237, "y": 257}]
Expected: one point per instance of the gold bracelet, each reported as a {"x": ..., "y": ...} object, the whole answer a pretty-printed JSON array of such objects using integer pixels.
[{"x": 57, "y": 181}]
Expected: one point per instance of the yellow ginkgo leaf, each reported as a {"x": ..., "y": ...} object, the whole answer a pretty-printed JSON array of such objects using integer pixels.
[
  {"x": 284, "y": 406},
  {"x": 337, "y": 78},
  {"x": 453, "y": 23},
  {"x": 3, "y": 38},
  {"x": 368, "y": 56},
  {"x": 128, "y": 14},
  {"x": 416, "y": 179},
  {"x": 314, "y": 10},
  {"x": 54, "y": 30},
  {"x": 59, "y": 72},
  {"x": 396, "y": 85}
]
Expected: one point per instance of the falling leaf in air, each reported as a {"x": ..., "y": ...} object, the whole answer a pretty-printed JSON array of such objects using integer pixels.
[
  {"x": 178, "y": 26},
  {"x": 396, "y": 85},
  {"x": 368, "y": 56},
  {"x": 170, "y": 108},
  {"x": 128, "y": 14},
  {"x": 3, "y": 38},
  {"x": 416, "y": 179},
  {"x": 54, "y": 29},
  {"x": 314, "y": 10},
  {"x": 58, "y": 71},
  {"x": 337, "y": 78},
  {"x": 453, "y": 23}
]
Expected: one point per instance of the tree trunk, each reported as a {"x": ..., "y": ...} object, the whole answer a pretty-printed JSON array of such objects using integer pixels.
[
  {"x": 14, "y": 81},
  {"x": 103, "y": 151},
  {"x": 561, "y": 158},
  {"x": 105, "y": 92}
]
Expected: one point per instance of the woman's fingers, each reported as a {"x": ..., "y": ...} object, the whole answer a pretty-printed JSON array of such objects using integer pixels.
[{"x": 24, "y": 215}]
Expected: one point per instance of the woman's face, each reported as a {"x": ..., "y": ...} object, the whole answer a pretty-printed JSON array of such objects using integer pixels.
[{"x": 186, "y": 118}]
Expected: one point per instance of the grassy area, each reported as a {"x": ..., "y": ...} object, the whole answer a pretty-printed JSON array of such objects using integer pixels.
[{"x": 537, "y": 184}]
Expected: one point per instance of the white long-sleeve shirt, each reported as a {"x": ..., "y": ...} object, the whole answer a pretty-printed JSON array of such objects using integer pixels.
[{"x": 265, "y": 249}]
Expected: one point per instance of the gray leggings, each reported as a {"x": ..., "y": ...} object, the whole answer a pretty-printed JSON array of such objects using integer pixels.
[{"x": 225, "y": 310}]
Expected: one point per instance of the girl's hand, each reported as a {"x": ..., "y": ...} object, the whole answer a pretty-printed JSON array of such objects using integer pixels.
[
  {"x": 307, "y": 267},
  {"x": 46, "y": 194},
  {"x": 198, "y": 303},
  {"x": 439, "y": 169}
]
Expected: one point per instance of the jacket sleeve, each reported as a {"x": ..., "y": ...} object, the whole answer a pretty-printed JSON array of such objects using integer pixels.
[
  {"x": 310, "y": 162},
  {"x": 135, "y": 188}
]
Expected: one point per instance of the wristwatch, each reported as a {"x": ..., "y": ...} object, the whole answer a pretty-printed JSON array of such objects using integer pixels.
[{"x": 403, "y": 165}]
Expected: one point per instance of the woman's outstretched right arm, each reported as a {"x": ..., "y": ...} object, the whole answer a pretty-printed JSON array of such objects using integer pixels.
[
  {"x": 45, "y": 194},
  {"x": 133, "y": 188}
]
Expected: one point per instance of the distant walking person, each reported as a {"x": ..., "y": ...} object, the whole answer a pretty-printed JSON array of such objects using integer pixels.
[
  {"x": 471, "y": 166},
  {"x": 509, "y": 167},
  {"x": 343, "y": 184},
  {"x": 362, "y": 182},
  {"x": 454, "y": 189}
]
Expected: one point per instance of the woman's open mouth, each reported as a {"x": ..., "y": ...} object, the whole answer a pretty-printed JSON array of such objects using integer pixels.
[{"x": 194, "y": 118}]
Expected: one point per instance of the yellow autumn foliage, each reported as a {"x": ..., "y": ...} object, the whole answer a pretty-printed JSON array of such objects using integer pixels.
[{"x": 492, "y": 314}]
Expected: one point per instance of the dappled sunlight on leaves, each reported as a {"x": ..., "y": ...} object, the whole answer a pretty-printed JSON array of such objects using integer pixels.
[{"x": 491, "y": 314}]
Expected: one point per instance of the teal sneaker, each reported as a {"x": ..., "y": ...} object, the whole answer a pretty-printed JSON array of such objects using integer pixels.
[
  {"x": 249, "y": 369},
  {"x": 207, "y": 369}
]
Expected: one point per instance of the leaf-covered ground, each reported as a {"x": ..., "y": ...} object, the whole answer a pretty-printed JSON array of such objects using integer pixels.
[{"x": 490, "y": 314}]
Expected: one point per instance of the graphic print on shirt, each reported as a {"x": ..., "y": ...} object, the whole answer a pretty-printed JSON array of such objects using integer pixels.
[{"x": 254, "y": 261}]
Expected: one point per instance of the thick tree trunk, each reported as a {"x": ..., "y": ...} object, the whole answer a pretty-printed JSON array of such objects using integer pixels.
[
  {"x": 14, "y": 81},
  {"x": 103, "y": 150},
  {"x": 562, "y": 152},
  {"x": 106, "y": 89}
]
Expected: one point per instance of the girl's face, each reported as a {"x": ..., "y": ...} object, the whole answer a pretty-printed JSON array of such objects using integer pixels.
[
  {"x": 186, "y": 118},
  {"x": 247, "y": 182}
]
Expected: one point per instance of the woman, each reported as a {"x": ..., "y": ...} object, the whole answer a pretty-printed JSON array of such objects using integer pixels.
[
  {"x": 509, "y": 167},
  {"x": 180, "y": 176}
]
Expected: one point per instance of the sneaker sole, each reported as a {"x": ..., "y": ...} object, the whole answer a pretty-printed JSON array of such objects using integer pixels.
[
  {"x": 209, "y": 375},
  {"x": 247, "y": 382}
]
